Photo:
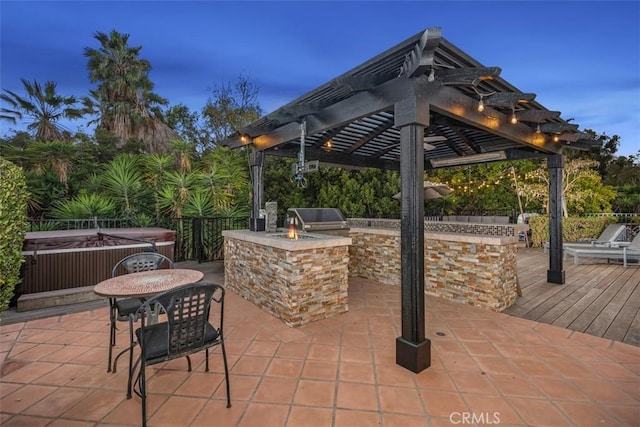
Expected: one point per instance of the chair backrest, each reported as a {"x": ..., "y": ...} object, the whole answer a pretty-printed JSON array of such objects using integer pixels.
[
  {"x": 141, "y": 261},
  {"x": 187, "y": 311},
  {"x": 635, "y": 243},
  {"x": 611, "y": 233}
]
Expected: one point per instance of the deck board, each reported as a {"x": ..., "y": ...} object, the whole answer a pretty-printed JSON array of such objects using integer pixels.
[{"x": 599, "y": 298}]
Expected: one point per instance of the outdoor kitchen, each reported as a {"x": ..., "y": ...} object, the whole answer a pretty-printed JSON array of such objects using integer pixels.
[{"x": 298, "y": 273}]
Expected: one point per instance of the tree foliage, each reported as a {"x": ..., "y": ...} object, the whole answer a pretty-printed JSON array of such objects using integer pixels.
[{"x": 42, "y": 109}]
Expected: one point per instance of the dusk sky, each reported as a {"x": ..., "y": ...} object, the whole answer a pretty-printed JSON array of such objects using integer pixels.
[{"x": 580, "y": 57}]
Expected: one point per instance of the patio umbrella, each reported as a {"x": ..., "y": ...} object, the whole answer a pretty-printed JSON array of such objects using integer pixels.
[{"x": 432, "y": 191}]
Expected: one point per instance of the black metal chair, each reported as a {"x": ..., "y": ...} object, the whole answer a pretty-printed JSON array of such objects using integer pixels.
[
  {"x": 186, "y": 330},
  {"x": 120, "y": 309}
]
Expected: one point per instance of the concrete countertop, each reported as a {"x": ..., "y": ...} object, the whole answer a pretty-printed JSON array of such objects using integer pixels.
[{"x": 278, "y": 240}]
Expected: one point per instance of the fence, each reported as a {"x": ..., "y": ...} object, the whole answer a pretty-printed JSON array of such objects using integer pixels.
[{"x": 197, "y": 239}]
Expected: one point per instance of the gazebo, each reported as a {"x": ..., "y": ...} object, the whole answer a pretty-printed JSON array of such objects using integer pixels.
[{"x": 419, "y": 105}]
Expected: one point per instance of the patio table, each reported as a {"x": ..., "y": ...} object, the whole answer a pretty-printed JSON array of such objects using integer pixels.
[{"x": 146, "y": 283}]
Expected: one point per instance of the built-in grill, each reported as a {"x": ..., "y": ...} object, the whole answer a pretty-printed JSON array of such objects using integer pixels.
[{"x": 318, "y": 220}]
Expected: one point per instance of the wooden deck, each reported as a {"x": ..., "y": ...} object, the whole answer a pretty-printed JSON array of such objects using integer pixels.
[{"x": 598, "y": 298}]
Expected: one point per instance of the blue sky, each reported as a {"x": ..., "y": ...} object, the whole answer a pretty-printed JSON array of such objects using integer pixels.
[{"x": 580, "y": 57}]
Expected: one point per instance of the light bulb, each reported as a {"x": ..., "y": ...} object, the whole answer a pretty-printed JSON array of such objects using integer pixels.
[
  {"x": 556, "y": 138},
  {"x": 538, "y": 129},
  {"x": 514, "y": 119},
  {"x": 481, "y": 106},
  {"x": 432, "y": 75}
]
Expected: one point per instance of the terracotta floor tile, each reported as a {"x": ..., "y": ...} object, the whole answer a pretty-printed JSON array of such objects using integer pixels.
[
  {"x": 290, "y": 368},
  {"x": 512, "y": 349},
  {"x": 453, "y": 361},
  {"x": 496, "y": 365},
  {"x": 95, "y": 405},
  {"x": 436, "y": 379},
  {"x": 356, "y": 372},
  {"x": 441, "y": 403},
  {"x": 320, "y": 370},
  {"x": 357, "y": 396},
  {"x": 310, "y": 417},
  {"x": 396, "y": 420},
  {"x": 250, "y": 365},
  {"x": 215, "y": 409},
  {"x": 62, "y": 375},
  {"x": 492, "y": 409},
  {"x": 356, "y": 354},
  {"x": 534, "y": 367},
  {"x": 242, "y": 388},
  {"x": 25, "y": 421},
  {"x": 558, "y": 388},
  {"x": 630, "y": 387},
  {"x": 473, "y": 382},
  {"x": 165, "y": 380},
  {"x": 70, "y": 423},
  {"x": 355, "y": 340},
  {"x": 518, "y": 386},
  {"x": 200, "y": 384},
  {"x": 394, "y": 375},
  {"x": 257, "y": 413},
  {"x": 177, "y": 411},
  {"x": 587, "y": 414},
  {"x": 443, "y": 345},
  {"x": 323, "y": 352},
  {"x": 39, "y": 351},
  {"x": 604, "y": 391},
  {"x": 292, "y": 350},
  {"x": 261, "y": 348},
  {"x": 400, "y": 400},
  {"x": 315, "y": 393},
  {"x": 129, "y": 411},
  {"x": 538, "y": 412},
  {"x": 481, "y": 349},
  {"x": 276, "y": 390},
  {"x": 21, "y": 399},
  {"x": 626, "y": 414},
  {"x": 612, "y": 371},
  {"x": 351, "y": 418},
  {"x": 67, "y": 353},
  {"x": 327, "y": 339},
  {"x": 30, "y": 372}
]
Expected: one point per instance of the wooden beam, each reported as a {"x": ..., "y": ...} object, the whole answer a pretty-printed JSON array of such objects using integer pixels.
[
  {"x": 558, "y": 127},
  {"x": 421, "y": 57},
  {"x": 536, "y": 116},
  {"x": 360, "y": 105},
  {"x": 453, "y": 103},
  {"x": 338, "y": 158},
  {"x": 382, "y": 128},
  {"x": 356, "y": 83},
  {"x": 507, "y": 99},
  {"x": 328, "y": 135},
  {"x": 466, "y": 76}
]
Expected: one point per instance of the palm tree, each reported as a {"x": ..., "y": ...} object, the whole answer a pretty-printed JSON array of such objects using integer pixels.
[
  {"x": 42, "y": 108},
  {"x": 124, "y": 97}
]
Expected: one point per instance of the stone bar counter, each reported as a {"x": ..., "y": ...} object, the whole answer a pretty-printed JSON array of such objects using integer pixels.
[
  {"x": 298, "y": 281},
  {"x": 467, "y": 263}
]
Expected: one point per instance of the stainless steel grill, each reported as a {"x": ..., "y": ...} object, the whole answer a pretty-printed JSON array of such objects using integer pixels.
[{"x": 318, "y": 220}]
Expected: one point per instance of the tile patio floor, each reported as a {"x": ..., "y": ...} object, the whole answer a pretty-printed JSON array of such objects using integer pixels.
[{"x": 489, "y": 367}]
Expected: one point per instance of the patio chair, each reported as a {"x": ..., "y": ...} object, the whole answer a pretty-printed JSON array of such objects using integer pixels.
[
  {"x": 187, "y": 330},
  {"x": 119, "y": 309},
  {"x": 625, "y": 252},
  {"x": 608, "y": 237}
]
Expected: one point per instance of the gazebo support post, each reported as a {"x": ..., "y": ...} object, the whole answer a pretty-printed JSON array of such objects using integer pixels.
[
  {"x": 257, "y": 181},
  {"x": 555, "y": 274},
  {"x": 413, "y": 350}
]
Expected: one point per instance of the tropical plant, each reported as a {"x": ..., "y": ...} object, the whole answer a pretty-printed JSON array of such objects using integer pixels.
[
  {"x": 124, "y": 97},
  {"x": 42, "y": 108},
  {"x": 84, "y": 205},
  {"x": 124, "y": 183}
]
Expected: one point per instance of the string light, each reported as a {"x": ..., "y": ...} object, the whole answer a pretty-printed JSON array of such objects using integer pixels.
[
  {"x": 432, "y": 75},
  {"x": 538, "y": 129},
  {"x": 514, "y": 119},
  {"x": 481, "y": 105}
]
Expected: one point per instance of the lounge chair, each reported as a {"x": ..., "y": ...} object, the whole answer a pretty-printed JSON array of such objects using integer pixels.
[
  {"x": 626, "y": 252},
  {"x": 608, "y": 237}
]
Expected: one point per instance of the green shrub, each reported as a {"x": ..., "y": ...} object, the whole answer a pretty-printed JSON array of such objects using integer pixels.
[
  {"x": 574, "y": 228},
  {"x": 13, "y": 226}
]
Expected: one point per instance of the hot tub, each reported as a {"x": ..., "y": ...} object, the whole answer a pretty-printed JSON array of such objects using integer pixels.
[{"x": 65, "y": 259}]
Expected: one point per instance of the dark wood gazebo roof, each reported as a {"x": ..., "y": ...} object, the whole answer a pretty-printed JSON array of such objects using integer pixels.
[
  {"x": 350, "y": 119},
  {"x": 416, "y": 106}
]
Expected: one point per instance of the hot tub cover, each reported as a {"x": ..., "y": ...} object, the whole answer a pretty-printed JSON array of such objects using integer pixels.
[{"x": 94, "y": 238}]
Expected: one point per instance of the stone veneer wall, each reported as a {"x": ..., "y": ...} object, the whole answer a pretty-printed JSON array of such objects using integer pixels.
[
  {"x": 508, "y": 230},
  {"x": 298, "y": 286},
  {"x": 481, "y": 274}
]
